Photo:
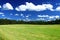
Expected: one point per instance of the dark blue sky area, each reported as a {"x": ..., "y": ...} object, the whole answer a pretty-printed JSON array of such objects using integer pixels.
[{"x": 19, "y": 2}]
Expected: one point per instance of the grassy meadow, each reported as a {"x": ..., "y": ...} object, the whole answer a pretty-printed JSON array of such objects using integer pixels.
[{"x": 29, "y": 32}]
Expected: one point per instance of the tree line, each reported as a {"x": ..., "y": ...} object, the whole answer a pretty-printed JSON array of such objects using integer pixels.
[{"x": 7, "y": 21}]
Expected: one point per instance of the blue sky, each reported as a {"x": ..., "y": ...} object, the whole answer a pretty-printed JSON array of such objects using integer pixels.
[{"x": 30, "y": 9}]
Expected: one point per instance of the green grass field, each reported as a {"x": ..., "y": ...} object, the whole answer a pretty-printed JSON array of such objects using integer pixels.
[{"x": 29, "y": 32}]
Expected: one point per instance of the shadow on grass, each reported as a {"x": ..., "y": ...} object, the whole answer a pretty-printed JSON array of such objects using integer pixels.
[{"x": 1, "y": 37}]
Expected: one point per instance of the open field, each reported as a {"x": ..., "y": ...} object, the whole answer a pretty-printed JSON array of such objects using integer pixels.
[{"x": 29, "y": 32}]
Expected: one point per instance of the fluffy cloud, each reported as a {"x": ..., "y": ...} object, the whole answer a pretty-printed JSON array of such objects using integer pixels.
[
  {"x": 49, "y": 7},
  {"x": 42, "y": 15},
  {"x": 22, "y": 15},
  {"x": 1, "y": 13},
  {"x": 28, "y": 15},
  {"x": 51, "y": 17},
  {"x": 57, "y": 9},
  {"x": 47, "y": 16},
  {"x": 57, "y": 16},
  {"x": 16, "y": 14},
  {"x": 32, "y": 7},
  {"x": 7, "y": 6},
  {"x": 0, "y": 6}
]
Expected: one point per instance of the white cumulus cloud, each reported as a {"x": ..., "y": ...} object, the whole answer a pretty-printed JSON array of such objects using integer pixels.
[
  {"x": 32, "y": 7},
  {"x": 7, "y": 6},
  {"x": 57, "y": 9},
  {"x": 0, "y": 6},
  {"x": 49, "y": 7}
]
